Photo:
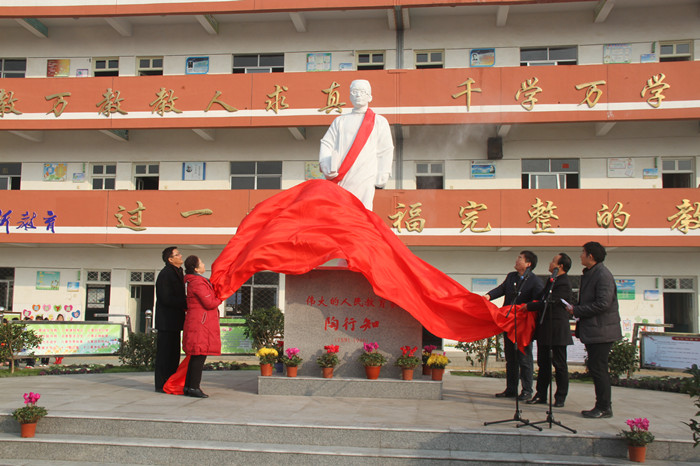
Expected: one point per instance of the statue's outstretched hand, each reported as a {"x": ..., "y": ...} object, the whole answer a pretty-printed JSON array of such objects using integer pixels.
[
  {"x": 382, "y": 179},
  {"x": 331, "y": 175}
]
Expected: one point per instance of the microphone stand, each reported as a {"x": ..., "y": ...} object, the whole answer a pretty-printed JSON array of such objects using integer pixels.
[
  {"x": 550, "y": 413},
  {"x": 517, "y": 416}
]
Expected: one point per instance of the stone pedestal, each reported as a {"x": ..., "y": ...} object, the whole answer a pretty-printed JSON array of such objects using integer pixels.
[{"x": 338, "y": 307}]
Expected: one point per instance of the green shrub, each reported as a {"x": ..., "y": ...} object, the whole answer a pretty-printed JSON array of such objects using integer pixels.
[
  {"x": 139, "y": 350},
  {"x": 623, "y": 359},
  {"x": 478, "y": 351},
  {"x": 691, "y": 386},
  {"x": 264, "y": 326},
  {"x": 15, "y": 337}
]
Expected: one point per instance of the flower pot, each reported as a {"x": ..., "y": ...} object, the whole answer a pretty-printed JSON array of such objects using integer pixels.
[
  {"x": 637, "y": 454},
  {"x": 437, "y": 374},
  {"x": 327, "y": 372},
  {"x": 265, "y": 369},
  {"x": 372, "y": 372},
  {"x": 279, "y": 367},
  {"x": 427, "y": 370},
  {"x": 292, "y": 371},
  {"x": 28, "y": 430},
  {"x": 406, "y": 373}
]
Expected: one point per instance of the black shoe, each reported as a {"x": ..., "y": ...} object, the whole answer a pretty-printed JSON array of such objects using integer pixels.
[
  {"x": 536, "y": 400},
  {"x": 196, "y": 393},
  {"x": 160, "y": 390},
  {"x": 559, "y": 404},
  {"x": 524, "y": 396},
  {"x": 505, "y": 394},
  {"x": 596, "y": 413}
]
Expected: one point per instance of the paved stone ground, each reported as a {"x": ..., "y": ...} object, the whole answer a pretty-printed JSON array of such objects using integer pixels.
[{"x": 467, "y": 403}]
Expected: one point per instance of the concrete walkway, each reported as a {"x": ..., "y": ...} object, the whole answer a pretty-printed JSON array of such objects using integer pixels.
[{"x": 467, "y": 403}]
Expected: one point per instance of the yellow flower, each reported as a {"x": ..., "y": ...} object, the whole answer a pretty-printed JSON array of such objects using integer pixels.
[
  {"x": 438, "y": 361},
  {"x": 262, "y": 352}
]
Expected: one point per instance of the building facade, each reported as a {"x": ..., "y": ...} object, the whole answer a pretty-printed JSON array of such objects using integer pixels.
[{"x": 126, "y": 127}]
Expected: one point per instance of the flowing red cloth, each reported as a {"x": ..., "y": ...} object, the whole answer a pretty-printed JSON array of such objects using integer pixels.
[
  {"x": 358, "y": 143},
  {"x": 316, "y": 221},
  {"x": 176, "y": 383}
]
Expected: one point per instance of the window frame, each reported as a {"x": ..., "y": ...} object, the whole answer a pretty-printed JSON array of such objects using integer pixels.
[
  {"x": 563, "y": 178},
  {"x": 257, "y": 174},
  {"x": 430, "y": 173},
  {"x": 149, "y": 70},
  {"x": 676, "y": 56},
  {"x": 371, "y": 64},
  {"x": 549, "y": 61},
  {"x": 251, "y": 287},
  {"x": 11, "y": 173},
  {"x": 103, "y": 176},
  {"x": 430, "y": 63},
  {"x": 12, "y": 73},
  {"x": 107, "y": 71},
  {"x": 152, "y": 170},
  {"x": 259, "y": 67}
]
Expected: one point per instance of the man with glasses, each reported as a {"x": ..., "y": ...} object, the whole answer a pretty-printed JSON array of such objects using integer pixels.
[{"x": 170, "y": 315}]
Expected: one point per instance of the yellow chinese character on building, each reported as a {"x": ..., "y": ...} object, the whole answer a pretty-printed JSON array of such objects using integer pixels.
[
  {"x": 471, "y": 218},
  {"x": 687, "y": 217},
  {"x": 215, "y": 100},
  {"x": 135, "y": 217},
  {"x": 277, "y": 101},
  {"x": 541, "y": 214},
  {"x": 414, "y": 222},
  {"x": 529, "y": 89},
  {"x": 468, "y": 91},
  {"x": 656, "y": 86},
  {"x": 164, "y": 103},
  {"x": 333, "y": 101},
  {"x": 592, "y": 92},
  {"x": 60, "y": 105},
  {"x": 7, "y": 103},
  {"x": 615, "y": 216},
  {"x": 111, "y": 103}
]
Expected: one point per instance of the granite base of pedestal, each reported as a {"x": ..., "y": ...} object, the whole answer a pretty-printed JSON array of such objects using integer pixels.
[{"x": 350, "y": 387}]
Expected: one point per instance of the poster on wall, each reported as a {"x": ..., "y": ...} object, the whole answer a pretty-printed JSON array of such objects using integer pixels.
[
  {"x": 55, "y": 171},
  {"x": 194, "y": 171},
  {"x": 318, "y": 62},
  {"x": 620, "y": 168},
  {"x": 482, "y": 58},
  {"x": 58, "y": 68},
  {"x": 625, "y": 288},
  {"x": 76, "y": 338},
  {"x": 483, "y": 285},
  {"x": 669, "y": 350},
  {"x": 73, "y": 286},
  {"x": 312, "y": 171},
  {"x": 617, "y": 53},
  {"x": 197, "y": 65},
  {"x": 47, "y": 280},
  {"x": 483, "y": 170}
]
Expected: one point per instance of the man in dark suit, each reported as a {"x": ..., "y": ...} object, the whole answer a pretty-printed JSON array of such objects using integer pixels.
[
  {"x": 518, "y": 363},
  {"x": 170, "y": 315},
  {"x": 598, "y": 323},
  {"x": 553, "y": 333}
]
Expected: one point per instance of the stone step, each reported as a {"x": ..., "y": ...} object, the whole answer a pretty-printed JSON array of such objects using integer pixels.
[
  {"x": 83, "y": 449},
  {"x": 525, "y": 441}
]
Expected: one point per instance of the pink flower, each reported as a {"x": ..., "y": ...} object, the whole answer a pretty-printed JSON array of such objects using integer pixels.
[
  {"x": 369, "y": 347},
  {"x": 31, "y": 398},
  {"x": 291, "y": 352}
]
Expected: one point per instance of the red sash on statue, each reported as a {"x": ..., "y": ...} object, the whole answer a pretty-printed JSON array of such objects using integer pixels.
[{"x": 358, "y": 143}]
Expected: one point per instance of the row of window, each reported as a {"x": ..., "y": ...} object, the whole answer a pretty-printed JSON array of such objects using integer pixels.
[
  {"x": 365, "y": 60},
  {"x": 536, "y": 174}
]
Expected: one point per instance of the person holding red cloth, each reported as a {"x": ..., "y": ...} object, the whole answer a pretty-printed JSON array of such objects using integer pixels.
[{"x": 201, "y": 334}]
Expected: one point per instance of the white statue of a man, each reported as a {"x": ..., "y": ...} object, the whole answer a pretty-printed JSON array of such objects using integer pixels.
[{"x": 357, "y": 151}]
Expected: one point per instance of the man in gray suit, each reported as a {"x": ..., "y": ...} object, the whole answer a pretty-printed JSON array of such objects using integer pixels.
[{"x": 598, "y": 323}]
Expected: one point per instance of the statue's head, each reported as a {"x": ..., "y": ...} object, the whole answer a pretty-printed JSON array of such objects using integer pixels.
[{"x": 360, "y": 93}]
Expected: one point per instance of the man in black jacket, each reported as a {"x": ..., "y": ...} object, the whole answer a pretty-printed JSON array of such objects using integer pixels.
[
  {"x": 599, "y": 323},
  {"x": 170, "y": 315},
  {"x": 518, "y": 363},
  {"x": 553, "y": 333}
]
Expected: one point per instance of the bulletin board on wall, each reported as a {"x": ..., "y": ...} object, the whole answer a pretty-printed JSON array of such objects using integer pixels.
[{"x": 673, "y": 351}]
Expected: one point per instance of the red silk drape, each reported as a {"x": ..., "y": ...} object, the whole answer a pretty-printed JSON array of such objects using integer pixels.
[{"x": 316, "y": 221}]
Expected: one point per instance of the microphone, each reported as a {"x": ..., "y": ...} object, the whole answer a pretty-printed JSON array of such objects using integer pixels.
[{"x": 555, "y": 272}]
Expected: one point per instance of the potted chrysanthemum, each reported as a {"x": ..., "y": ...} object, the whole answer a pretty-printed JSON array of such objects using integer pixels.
[
  {"x": 328, "y": 360},
  {"x": 407, "y": 362},
  {"x": 372, "y": 359},
  {"x": 292, "y": 360},
  {"x": 427, "y": 351},
  {"x": 267, "y": 357},
  {"x": 29, "y": 414},
  {"x": 437, "y": 363},
  {"x": 638, "y": 437}
]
